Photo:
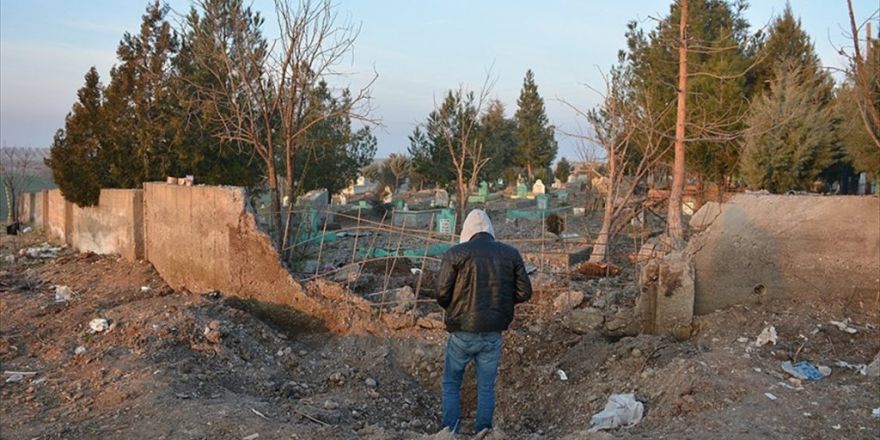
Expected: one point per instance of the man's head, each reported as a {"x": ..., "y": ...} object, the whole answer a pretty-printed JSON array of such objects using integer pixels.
[{"x": 477, "y": 221}]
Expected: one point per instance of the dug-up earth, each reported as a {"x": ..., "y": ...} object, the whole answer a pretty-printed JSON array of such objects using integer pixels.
[{"x": 204, "y": 365}]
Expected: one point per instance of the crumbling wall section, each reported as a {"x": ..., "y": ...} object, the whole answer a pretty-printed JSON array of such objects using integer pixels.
[
  {"x": 784, "y": 247},
  {"x": 114, "y": 226},
  {"x": 203, "y": 238}
]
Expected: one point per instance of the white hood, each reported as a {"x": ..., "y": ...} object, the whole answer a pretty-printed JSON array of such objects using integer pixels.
[{"x": 477, "y": 221}]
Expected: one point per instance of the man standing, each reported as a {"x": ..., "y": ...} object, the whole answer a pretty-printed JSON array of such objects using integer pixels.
[{"x": 480, "y": 281}]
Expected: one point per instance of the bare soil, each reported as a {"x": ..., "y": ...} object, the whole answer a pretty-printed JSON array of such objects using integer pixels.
[{"x": 181, "y": 365}]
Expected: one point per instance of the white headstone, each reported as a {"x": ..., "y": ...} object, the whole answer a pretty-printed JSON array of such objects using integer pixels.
[
  {"x": 538, "y": 187},
  {"x": 387, "y": 195},
  {"x": 441, "y": 198}
]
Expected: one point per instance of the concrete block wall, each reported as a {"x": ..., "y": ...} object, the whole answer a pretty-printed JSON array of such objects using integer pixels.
[
  {"x": 41, "y": 206},
  {"x": 58, "y": 216},
  {"x": 114, "y": 226}
]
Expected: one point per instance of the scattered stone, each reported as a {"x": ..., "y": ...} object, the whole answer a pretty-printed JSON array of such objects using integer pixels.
[
  {"x": 582, "y": 321},
  {"x": 405, "y": 299},
  {"x": 430, "y": 324},
  {"x": 567, "y": 301},
  {"x": 873, "y": 369},
  {"x": 63, "y": 294},
  {"x": 370, "y": 382},
  {"x": 330, "y": 405},
  {"x": 79, "y": 350},
  {"x": 99, "y": 325},
  {"x": 212, "y": 332}
]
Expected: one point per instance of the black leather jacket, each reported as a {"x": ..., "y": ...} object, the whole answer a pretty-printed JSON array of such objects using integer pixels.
[{"x": 479, "y": 283}]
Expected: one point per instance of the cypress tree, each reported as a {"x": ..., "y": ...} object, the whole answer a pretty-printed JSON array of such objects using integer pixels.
[{"x": 535, "y": 140}]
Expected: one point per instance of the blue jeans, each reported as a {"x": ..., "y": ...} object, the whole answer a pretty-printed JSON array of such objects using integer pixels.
[{"x": 485, "y": 350}]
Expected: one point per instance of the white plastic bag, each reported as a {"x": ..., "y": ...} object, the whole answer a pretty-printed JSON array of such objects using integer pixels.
[{"x": 621, "y": 410}]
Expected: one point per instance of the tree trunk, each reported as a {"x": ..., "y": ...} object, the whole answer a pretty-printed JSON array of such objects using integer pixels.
[
  {"x": 602, "y": 245},
  {"x": 673, "y": 220},
  {"x": 10, "y": 214},
  {"x": 462, "y": 200},
  {"x": 275, "y": 205}
]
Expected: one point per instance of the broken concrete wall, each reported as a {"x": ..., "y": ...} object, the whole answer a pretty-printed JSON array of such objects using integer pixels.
[
  {"x": 781, "y": 248},
  {"x": 114, "y": 226},
  {"x": 59, "y": 216},
  {"x": 666, "y": 302},
  {"x": 202, "y": 238}
]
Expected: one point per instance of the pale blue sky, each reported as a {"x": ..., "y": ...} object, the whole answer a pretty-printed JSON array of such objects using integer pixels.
[{"x": 419, "y": 48}]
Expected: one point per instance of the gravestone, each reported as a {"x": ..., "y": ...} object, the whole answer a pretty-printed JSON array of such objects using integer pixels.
[
  {"x": 522, "y": 191},
  {"x": 538, "y": 187},
  {"x": 387, "y": 195},
  {"x": 542, "y": 202},
  {"x": 446, "y": 222}
]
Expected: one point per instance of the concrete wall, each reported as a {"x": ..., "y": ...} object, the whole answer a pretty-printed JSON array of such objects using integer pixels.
[
  {"x": 41, "y": 206},
  {"x": 781, "y": 248},
  {"x": 59, "y": 216},
  {"x": 203, "y": 238},
  {"x": 114, "y": 226},
  {"x": 26, "y": 206}
]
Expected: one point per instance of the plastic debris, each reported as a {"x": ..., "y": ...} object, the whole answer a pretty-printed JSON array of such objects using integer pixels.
[
  {"x": 876, "y": 412},
  {"x": 562, "y": 375},
  {"x": 861, "y": 368},
  {"x": 26, "y": 230},
  {"x": 770, "y": 396},
  {"x": 63, "y": 294},
  {"x": 44, "y": 250},
  {"x": 621, "y": 410},
  {"x": 844, "y": 326},
  {"x": 17, "y": 376},
  {"x": 79, "y": 350},
  {"x": 803, "y": 370},
  {"x": 415, "y": 270},
  {"x": 825, "y": 370},
  {"x": 145, "y": 289},
  {"x": 768, "y": 335},
  {"x": 99, "y": 325}
]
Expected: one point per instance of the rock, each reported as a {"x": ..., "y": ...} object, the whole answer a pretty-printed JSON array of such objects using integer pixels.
[
  {"x": 582, "y": 321},
  {"x": 370, "y": 382},
  {"x": 567, "y": 301},
  {"x": 430, "y": 324},
  {"x": 405, "y": 299},
  {"x": 330, "y": 405},
  {"x": 212, "y": 332},
  {"x": 79, "y": 350},
  {"x": 99, "y": 325}
]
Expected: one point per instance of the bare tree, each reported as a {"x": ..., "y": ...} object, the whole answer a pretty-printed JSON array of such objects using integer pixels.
[
  {"x": 459, "y": 123},
  {"x": 259, "y": 96},
  {"x": 626, "y": 129},
  {"x": 867, "y": 102},
  {"x": 16, "y": 172}
]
